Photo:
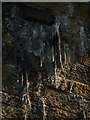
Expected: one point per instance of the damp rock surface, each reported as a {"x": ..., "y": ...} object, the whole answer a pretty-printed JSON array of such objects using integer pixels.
[{"x": 46, "y": 62}]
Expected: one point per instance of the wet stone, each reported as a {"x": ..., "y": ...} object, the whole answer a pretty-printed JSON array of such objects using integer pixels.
[{"x": 45, "y": 61}]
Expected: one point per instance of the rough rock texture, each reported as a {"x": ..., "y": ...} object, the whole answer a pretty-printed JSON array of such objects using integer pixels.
[{"x": 46, "y": 61}]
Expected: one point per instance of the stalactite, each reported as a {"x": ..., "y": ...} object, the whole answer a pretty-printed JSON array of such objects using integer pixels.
[
  {"x": 55, "y": 70},
  {"x": 53, "y": 54},
  {"x": 56, "y": 77},
  {"x": 69, "y": 60},
  {"x": 65, "y": 55},
  {"x": 41, "y": 63},
  {"x": 65, "y": 58},
  {"x": 42, "y": 55},
  {"x": 41, "y": 28},
  {"x": 59, "y": 41},
  {"x": 22, "y": 79},
  {"x": 13, "y": 11},
  {"x": 17, "y": 80}
]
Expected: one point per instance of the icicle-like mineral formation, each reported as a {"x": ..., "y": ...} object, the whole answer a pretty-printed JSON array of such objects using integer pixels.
[
  {"x": 17, "y": 80},
  {"x": 22, "y": 79},
  {"x": 41, "y": 63},
  {"x": 65, "y": 58},
  {"x": 65, "y": 55},
  {"x": 59, "y": 40},
  {"x": 53, "y": 54}
]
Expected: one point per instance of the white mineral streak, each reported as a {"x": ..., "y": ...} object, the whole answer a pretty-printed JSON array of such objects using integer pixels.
[
  {"x": 56, "y": 77},
  {"x": 55, "y": 70},
  {"x": 41, "y": 28},
  {"x": 65, "y": 56},
  {"x": 13, "y": 11},
  {"x": 58, "y": 33},
  {"x": 59, "y": 41},
  {"x": 17, "y": 81},
  {"x": 53, "y": 54},
  {"x": 41, "y": 63},
  {"x": 60, "y": 58},
  {"x": 22, "y": 79},
  {"x": 69, "y": 59}
]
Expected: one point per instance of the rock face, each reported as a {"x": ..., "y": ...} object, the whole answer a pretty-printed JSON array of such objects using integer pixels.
[{"x": 46, "y": 61}]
